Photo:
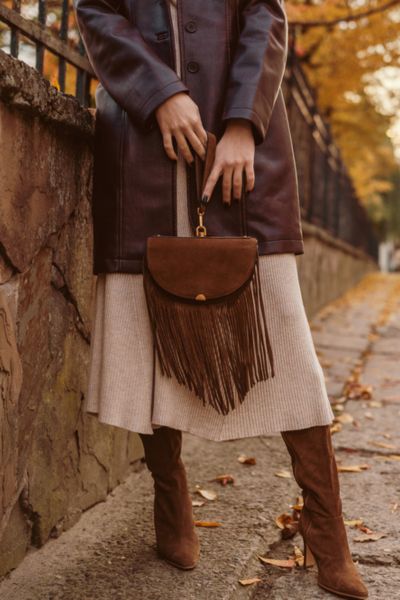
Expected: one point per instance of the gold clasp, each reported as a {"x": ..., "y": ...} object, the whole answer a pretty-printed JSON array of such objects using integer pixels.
[{"x": 201, "y": 230}]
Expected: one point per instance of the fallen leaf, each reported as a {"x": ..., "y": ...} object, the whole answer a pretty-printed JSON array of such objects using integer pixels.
[
  {"x": 336, "y": 428},
  {"x": 365, "y": 529},
  {"x": 249, "y": 581},
  {"x": 247, "y": 460},
  {"x": 283, "y": 473},
  {"x": 354, "y": 390},
  {"x": 207, "y": 494},
  {"x": 354, "y": 523},
  {"x": 369, "y": 415},
  {"x": 283, "y": 520},
  {"x": 276, "y": 562},
  {"x": 198, "y": 503},
  {"x": 373, "y": 537},
  {"x": 375, "y": 404},
  {"x": 207, "y": 523},
  {"x": 224, "y": 479},
  {"x": 352, "y": 468},
  {"x": 298, "y": 556},
  {"x": 383, "y": 445},
  {"x": 344, "y": 418}
]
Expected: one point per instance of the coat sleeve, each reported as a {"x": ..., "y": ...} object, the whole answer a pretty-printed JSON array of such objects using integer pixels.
[
  {"x": 258, "y": 64},
  {"x": 129, "y": 70}
]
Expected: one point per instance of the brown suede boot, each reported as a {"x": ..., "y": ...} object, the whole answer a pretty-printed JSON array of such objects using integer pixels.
[
  {"x": 177, "y": 540},
  {"x": 321, "y": 521}
]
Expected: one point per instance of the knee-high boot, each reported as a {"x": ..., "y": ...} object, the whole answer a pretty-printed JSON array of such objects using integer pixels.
[
  {"x": 177, "y": 541},
  {"x": 321, "y": 521}
]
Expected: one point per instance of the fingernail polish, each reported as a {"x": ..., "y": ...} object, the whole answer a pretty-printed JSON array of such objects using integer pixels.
[{"x": 205, "y": 199}]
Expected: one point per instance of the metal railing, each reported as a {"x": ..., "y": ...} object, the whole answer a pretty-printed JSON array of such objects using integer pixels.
[
  {"x": 327, "y": 195},
  {"x": 47, "y": 26}
]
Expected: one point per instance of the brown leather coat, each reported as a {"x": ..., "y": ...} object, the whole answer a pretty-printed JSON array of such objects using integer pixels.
[{"x": 233, "y": 60}]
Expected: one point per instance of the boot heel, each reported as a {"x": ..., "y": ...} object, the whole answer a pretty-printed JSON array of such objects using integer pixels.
[{"x": 309, "y": 560}]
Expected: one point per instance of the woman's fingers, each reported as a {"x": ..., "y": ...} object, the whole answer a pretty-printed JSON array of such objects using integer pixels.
[
  {"x": 196, "y": 143},
  {"x": 238, "y": 182},
  {"x": 168, "y": 146},
  {"x": 183, "y": 147},
  {"x": 212, "y": 180},
  {"x": 250, "y": 177},
  {"x": 227, "y": 185}
]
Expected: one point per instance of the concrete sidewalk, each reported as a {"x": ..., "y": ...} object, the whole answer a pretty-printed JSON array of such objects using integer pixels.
[{"x": 110, "y": 552}]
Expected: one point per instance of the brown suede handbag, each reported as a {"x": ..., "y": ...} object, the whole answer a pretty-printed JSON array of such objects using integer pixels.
[{"x": 206, "y": 309}]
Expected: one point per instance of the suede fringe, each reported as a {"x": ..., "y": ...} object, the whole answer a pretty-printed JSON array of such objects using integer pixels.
[{"x": 219, "y": 349}]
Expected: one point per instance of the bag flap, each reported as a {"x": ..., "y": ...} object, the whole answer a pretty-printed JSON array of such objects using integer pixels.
[{"x": 201, "y": 268}]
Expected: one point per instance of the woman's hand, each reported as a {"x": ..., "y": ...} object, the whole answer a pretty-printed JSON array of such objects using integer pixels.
[
  {"x": 234, "y": 156},
  {"x": 179, "y": 117}
]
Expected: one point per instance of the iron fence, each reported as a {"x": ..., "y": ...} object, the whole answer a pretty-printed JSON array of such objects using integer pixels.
[{"x": 327, "y": 195}]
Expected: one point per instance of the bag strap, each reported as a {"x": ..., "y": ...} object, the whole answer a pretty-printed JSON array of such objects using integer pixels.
[{"x": 203, "y": 167}]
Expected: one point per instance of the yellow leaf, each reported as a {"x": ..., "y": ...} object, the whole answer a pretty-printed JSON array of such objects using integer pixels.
[
  {"x": 275, "y": 562},
  {"x": 383, "y": 445},
  {"x": 336, "y": 428},
  {"x": 207, "y": 523},
  {"x": 207, "y": 494},
  {"x": 198, "y": 503},
  {"x": 352, "y": 468},
  {"x": 372, "y": 537},
  {"x": 354, "y": 522},
  {"x": 283, "y": 473},
  {"x": 298, "y": 556},
  {"x": 249, "y": 581},
  {"x": 375, "y": 404},
  {"x": 344, "y": 418}
]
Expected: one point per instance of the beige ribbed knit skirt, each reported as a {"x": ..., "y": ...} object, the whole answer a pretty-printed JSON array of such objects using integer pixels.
[{"x": 126, "y": 388}]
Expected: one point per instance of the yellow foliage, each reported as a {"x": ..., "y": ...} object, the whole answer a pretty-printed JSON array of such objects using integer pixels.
[{"x": 339, "y": 60}]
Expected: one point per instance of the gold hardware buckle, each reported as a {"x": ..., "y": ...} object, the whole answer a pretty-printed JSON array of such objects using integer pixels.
[{"x": 201, "y": 230}]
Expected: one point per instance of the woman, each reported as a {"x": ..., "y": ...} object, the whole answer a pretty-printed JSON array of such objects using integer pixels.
[{"x": 170, "y": 70}]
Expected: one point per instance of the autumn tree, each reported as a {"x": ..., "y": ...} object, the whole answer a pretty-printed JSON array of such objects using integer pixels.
[{"x": 350, "y": 51}]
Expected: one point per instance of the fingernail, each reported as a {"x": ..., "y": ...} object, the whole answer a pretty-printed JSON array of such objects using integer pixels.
[{"x": 205, "y": 199}]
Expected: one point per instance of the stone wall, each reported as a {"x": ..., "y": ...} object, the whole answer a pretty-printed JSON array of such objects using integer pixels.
[{"x": 56, "y": 461}]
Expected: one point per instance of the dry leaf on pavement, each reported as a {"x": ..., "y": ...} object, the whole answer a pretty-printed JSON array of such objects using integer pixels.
[
  {"x": 336, "y": 428},
  {"x": 207, "y": 494},
  {"x": 352, "y": 468},
  {"x": 249, "y": 581},
  {"x": 298, "y": 556},
  {"x": 344, "y": 418},
  {"x": 354, "y": 523},
  {"x": 207, "y": 523},
  {"x": 283, "y": 520},
  {"x": 283, "y": 473},
  {"x": 372, "y": 537},
  {"x": 247, "y": 460},
  {"x": 383, "y": 445},
  {"x": 198, "y": 503},
  {"x": 276, "y": 562},
  {"x": 224, "y": 479}
]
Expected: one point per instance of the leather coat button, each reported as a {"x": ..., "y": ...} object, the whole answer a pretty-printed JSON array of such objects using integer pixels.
[
  {"x": 191, "y": 26},
  {"x": 193, "y": 66}
]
